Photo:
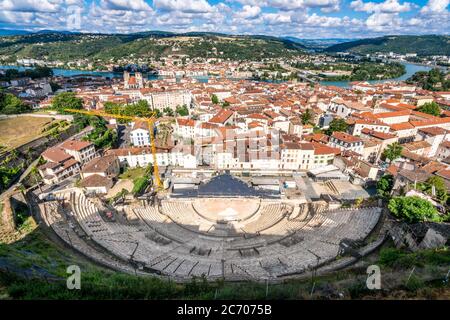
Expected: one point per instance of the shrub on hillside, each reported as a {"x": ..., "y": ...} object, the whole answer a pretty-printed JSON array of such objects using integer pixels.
[{"x": 413, "y": 209}]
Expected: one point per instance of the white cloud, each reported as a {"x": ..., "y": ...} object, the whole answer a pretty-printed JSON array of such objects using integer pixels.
[
  {"x": 323, "y": 21},
  {"x": 196, "y": 6},
  {"x": 30, "y": 5},
  {"x": 276, "y": 18},
  {"x": 78, "y": 3},
  {"x": 325, "y": 5},
  {"x": 271, "y": 17},
  {"x": 388, "y": 6},
  {"x": 133, "y": 5},
  {"x": 387, "y": 22},
  {"x": 16, "y": 17},
  {"x": 435, "y": 6},
  {"x": 104, "y": 18},
  {"x": 414, "y": 22},
  {"x": 249, "y": 12},
  {"x": 260, "y": 3}
]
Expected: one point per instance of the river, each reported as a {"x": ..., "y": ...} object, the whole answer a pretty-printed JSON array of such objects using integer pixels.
[{"x": 410, "y": 70}]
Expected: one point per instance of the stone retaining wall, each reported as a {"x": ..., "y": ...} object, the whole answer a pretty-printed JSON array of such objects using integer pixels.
[{"x": 8, "y": 215}]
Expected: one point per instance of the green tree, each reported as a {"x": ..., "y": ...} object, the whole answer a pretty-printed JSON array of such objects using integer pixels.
[
  {"x": 441, "y": 191},
  {"x": 10, "y": 104},
  {"x": 214, "y": 99},
  {"x": 337, "y": 124},
  {"x": 384, "y": 186},
  {"x": 119, "y": 195},
  {"x": 7, "y": 174},
  {"x": 182, "y": 111},
  {"x": 413, "y": 209},
  {"x": 101, "y": 136},
  {"x": 156, "y": 113},
  {"x": 138, "y": 109},
  {"x": 434, "y": 80},
  {"x": 430, "y": 108},
  {"x": 393, "y": 151},
  {"x": 80, "y": 121},
  {"x": 67, "y": 100},
  {"x": 306, "y": 116},
  {"x": 140, "y": 184},
  {"x": 168, "y": 112}
]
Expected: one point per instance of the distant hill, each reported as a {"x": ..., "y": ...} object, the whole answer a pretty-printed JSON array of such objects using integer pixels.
[
  {"x": 66, "y": 46},
  {"x": 317, "y": 43},
  {"x": 422, "y": 45},
  {"x": 8, "y": 32},
  {"x": 45, "y": 31}
]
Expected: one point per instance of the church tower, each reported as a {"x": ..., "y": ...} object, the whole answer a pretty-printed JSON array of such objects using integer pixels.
[
  {"x": 139, "y": 80},
  {"x": 126, "y": 79}
]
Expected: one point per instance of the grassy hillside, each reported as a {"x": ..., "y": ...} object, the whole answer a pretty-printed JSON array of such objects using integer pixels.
[
  {"x": 422, "y": 45},
  {"x": 67, "y": 47}
]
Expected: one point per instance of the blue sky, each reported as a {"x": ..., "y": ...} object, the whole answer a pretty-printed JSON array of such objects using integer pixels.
[{"x": 299, "y": 18}]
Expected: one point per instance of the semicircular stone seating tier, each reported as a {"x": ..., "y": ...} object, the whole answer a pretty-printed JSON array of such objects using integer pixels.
[{"x": 174, "y": 239}]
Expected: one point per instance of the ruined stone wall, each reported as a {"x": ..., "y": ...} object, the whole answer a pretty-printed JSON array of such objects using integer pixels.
[{"x": 8, "y": 215}]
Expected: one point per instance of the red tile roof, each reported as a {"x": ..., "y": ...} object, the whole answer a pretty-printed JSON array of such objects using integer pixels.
[
  {"x": 56, "y": 154},
  {"x": 75, "y": 145},
  {"x": 434, "y": 131},
  {"x": 345, "y": 137},
  {"x": 378, "y": 134},
  {"x": 392, "y": 114},
  {"x": 222, "y": 116},
  {"x": 100, "y": 164},
  {"x": 95, "y": 180},
  {"x": 444, "y": 173},
  {"x": 430, "y": 122},
  {"x": 320, "y": 149},
  {"x": 401, "y": 126},
  {"x": 393, "y": 170},
  {"x": 186, "y": 122}
]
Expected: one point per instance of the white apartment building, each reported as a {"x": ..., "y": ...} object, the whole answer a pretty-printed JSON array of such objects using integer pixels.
[
  {"x": 290, "y": 156},
  {"x": 191, "y": 129},
  {"x": 139, "y": 134},
  {"x": 394, "y": 116},
  {"x": 142, "y": 157},
  {"x": 55, "y": 172},
  {"x": 168, "y": 99},
  {"x": 356, "y": 126},
  {"x": 346, "y": 141},
  {"x": 82, "y": 151},
  {"x": 296, "y": 156},
  {"x": 434, "y": 136}
]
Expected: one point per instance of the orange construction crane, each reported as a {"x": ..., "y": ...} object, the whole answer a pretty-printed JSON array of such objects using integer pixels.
[{"x": 150, "y": 121}]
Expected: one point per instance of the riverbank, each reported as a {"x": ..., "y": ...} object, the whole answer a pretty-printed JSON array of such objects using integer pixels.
[{"x": 410, "y": 68}]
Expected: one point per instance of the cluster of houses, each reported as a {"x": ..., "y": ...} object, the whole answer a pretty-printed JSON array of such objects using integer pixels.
[{"x": 262, "y": 126}]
